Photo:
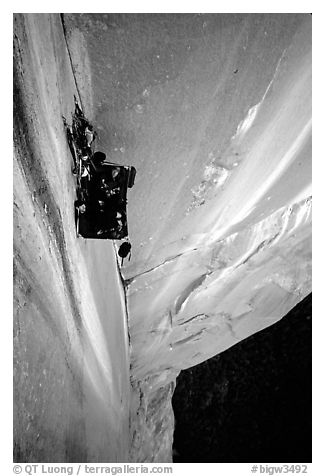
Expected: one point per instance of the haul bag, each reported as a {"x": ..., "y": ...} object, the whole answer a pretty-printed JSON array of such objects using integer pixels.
[{"x": 132, "y": 174}]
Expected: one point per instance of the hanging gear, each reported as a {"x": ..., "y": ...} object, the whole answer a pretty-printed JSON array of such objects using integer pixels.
[{"x": 124, "y": 250}]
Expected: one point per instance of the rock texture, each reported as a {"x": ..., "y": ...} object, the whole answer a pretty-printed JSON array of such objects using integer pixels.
[
  {"x": 215, "y": 112},
  {"x": 252, "y": 402},
  {"x": 71, "y": 364}
]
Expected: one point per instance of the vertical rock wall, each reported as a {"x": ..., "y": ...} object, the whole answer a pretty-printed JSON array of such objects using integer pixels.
[
  {"x": 71, "y": 363},
  {"x": 215, "y": 113}
]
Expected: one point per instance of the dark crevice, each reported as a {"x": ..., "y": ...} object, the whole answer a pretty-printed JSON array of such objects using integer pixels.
[
  {"x": 128, "y": 281},
  {"x": 70, "y": 58},
  {"x": 251, "y": 402}
]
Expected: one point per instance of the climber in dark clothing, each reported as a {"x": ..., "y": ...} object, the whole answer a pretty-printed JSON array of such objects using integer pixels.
[
  {"x": 109, "y": 221},
  {"x": 109, "y": 180},
  {"x": 97, "y": 160},
  {"x": 84, "y": 132}
]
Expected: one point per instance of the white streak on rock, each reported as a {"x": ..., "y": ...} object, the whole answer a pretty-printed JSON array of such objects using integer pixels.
[{"x": 247, "y": 123}]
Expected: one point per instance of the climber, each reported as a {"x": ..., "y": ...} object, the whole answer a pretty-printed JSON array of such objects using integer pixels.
[
  {"x": 83, "y": 131},
  {"x": 90, "y": 134}
]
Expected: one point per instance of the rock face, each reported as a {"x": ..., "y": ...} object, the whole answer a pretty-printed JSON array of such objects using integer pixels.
[
  {"x": 224, "y": 405},
  {"x": 70, "y": 342},
  {"x": 215, "y": 113}
]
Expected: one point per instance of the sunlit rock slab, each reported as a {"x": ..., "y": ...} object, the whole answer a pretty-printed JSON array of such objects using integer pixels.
[
  {"x": 215, "y": 113},
  {"x": 209, "y": 299},
  {"x": 205, "y": 106}
]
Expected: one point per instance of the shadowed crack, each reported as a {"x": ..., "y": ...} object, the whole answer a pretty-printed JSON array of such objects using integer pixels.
[
  {"x": 128, "y": 281},
  {"x": 189, "y": 290},
  {"x": 198, "y": 317},
  {"x": 188, "y": 339},
  {"x": 69, "y": 53},
  {"x": 259, "y": 248}
]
